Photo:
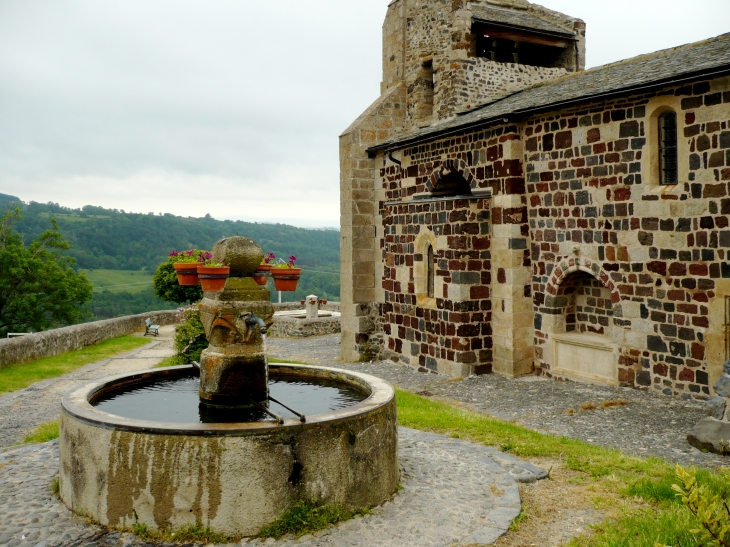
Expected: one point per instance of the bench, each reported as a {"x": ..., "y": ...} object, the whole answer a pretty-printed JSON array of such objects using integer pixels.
[{"x": 152, "y": 330}]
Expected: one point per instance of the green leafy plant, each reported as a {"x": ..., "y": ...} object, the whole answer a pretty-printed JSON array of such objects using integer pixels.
[
  {"x": 269, "y": 258},
  {"x": 39, "y": 288},
  {"x": 710, "y": 509},
  {"x": 290, "y": 264},
  {"x": 190, "y": 338},
  {"x": 56, "y": 485},
  {"x": 191, "y": 256},
  {"x": 206, "y": 259},
  {"x": 167, "y": 288}
]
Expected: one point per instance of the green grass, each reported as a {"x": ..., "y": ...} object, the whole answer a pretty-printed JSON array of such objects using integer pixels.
[
  {"x": 187, "y": 534},
  {"x": 43, "y": 433},
  {"x": 20, "y": 376},
  {"x": 304, "y": 518},
  {"x": 132, "y": 281},
  {"x": 666, "y": 525},
  {"x": 172, "y": 361},
  {"x": 648, "y": 481}
]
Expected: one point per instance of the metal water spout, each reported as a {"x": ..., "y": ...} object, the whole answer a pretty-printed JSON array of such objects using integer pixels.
[{"x": 253, "y": 320}]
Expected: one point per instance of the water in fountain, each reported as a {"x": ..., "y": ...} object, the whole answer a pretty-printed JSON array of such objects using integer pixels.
[{"x": 176, "y": 400}]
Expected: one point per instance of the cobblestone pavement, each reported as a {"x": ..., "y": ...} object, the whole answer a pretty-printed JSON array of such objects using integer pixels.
[
  {"x": 650, "y": 424},
  {"x": 454, "y": 493},
  {"x": 22, "y": 411}
]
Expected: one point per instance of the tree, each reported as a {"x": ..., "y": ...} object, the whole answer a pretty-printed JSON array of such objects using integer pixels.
[
  {"x": 39, "y": 288},
  {"x": 167, "y": 288}
]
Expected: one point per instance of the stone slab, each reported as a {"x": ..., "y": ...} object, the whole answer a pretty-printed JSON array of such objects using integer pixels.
[{"x": 711, "y": 434}]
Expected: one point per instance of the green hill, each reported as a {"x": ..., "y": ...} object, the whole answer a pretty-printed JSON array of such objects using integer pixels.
[{"x": 110, "y": 239}]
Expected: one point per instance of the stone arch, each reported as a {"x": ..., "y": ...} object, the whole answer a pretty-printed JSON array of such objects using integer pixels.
[
  {"x": 451, "y": 174},
  {"x": 578, "y": 322},
  {"x": 570, "y": 265}
]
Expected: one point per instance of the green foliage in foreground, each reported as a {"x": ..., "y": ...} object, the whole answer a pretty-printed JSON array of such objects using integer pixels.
[
  {"x": 20, "y": 376},
  {"x": 304, "y": 518},
  {"x": 665, "y": 522},
  {"x": 39, "y": 288},
  {"x": 43, "y": 433}
]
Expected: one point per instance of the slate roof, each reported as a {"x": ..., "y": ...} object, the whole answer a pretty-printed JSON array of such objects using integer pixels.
[
  {"x": 664, "y": 67},
  {"x": 518, "y": 19}
]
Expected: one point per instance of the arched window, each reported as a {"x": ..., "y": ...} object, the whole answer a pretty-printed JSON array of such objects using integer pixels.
[
  {"x": 668, "y": 148},
  {"x": 429, "y": 271}
]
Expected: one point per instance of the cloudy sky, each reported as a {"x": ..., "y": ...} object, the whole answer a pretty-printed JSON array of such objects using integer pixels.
[{"x": 227, "y": 107}]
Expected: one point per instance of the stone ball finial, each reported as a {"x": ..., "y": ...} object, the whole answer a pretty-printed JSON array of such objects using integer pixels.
[{"x": 242, "y": 254}]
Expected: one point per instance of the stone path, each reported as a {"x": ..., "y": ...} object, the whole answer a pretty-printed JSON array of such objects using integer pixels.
[{"x": 454, "y": 493}]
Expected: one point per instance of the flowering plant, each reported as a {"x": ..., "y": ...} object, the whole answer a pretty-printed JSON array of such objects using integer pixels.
[
  {"x": 206, "y": 259},
  {"x": 269, "y": 258},
  {"x": 289, "y": 264},
  {"x": 193, "y": 255}
]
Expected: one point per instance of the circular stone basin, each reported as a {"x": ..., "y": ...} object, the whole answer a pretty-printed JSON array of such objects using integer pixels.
[{"x": 233, "y": 477}]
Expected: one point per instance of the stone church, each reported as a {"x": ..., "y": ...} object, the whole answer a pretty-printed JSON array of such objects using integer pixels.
[{"x": 505, "y": 210}]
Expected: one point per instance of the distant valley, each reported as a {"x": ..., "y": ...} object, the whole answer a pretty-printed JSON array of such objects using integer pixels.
[{"x": 120, "y": 251}]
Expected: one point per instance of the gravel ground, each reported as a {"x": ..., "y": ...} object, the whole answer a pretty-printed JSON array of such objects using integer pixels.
[{"x": 648, "y": 425}]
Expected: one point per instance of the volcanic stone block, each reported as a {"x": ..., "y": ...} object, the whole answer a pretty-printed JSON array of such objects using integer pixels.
[
  {"x": 722, "y": 386},
  {"x": 716, "y": 407},
  {"x": 712, "y": 435}
]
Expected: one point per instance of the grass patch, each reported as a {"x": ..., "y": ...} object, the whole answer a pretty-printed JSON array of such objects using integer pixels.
[
  {"x": 645, "y": 482},
  {"x": 56, "y": 486},
  {"x": 43, "y": 433},
  {"x": 666, "y": 525},
  {"x": 132, "y": 281},
  {"x": 186, "y": 534},
  {"x": 305, "y": 518},
  {"x": 172, "y": 361},
  {"x": 20, "y": 376}
]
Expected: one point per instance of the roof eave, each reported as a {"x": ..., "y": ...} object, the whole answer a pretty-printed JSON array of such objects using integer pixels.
[
  {"x": 562, "y": 35},
  {"x": 721, "y": 70}
]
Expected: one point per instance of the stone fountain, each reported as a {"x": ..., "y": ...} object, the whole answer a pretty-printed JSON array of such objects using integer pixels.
[{"x": 235, "y": 444}]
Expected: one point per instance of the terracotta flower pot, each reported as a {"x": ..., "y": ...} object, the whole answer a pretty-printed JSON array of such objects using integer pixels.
[
  {"x": 213, "y": 279},
  {"x": 261, "y": 275},
  {"x": 286, "y": 279},
  {"x": 187, "y": 273}
]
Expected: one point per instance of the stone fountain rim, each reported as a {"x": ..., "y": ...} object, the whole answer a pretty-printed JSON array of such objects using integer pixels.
[{"x": 76, "y": 404}]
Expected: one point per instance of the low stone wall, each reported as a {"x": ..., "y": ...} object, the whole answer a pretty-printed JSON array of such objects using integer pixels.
[
  {"x": 288, "y": 327},
  {"x": 57, "y": 341},
  {"x": 286, "y": 306}
]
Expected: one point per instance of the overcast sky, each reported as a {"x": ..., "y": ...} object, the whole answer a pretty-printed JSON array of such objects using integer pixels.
[{"x": 227, "y": 107}]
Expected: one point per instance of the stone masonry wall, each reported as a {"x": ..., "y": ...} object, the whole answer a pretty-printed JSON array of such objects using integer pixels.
[
  {"x": 57, "y": 341},
  {"x": 452, "y": 332},
  {"x": 475, "y": 81},
  {"x": 662, "y": 253}
]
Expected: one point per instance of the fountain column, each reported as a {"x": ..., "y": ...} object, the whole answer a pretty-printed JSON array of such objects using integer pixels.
[{"x": 233, "y": 370}]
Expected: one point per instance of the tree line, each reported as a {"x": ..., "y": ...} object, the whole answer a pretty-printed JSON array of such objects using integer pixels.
[{"x": 96, "y": 237}]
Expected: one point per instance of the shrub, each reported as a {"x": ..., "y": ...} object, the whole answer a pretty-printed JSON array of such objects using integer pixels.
[{"x": 190, "y": 338}]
